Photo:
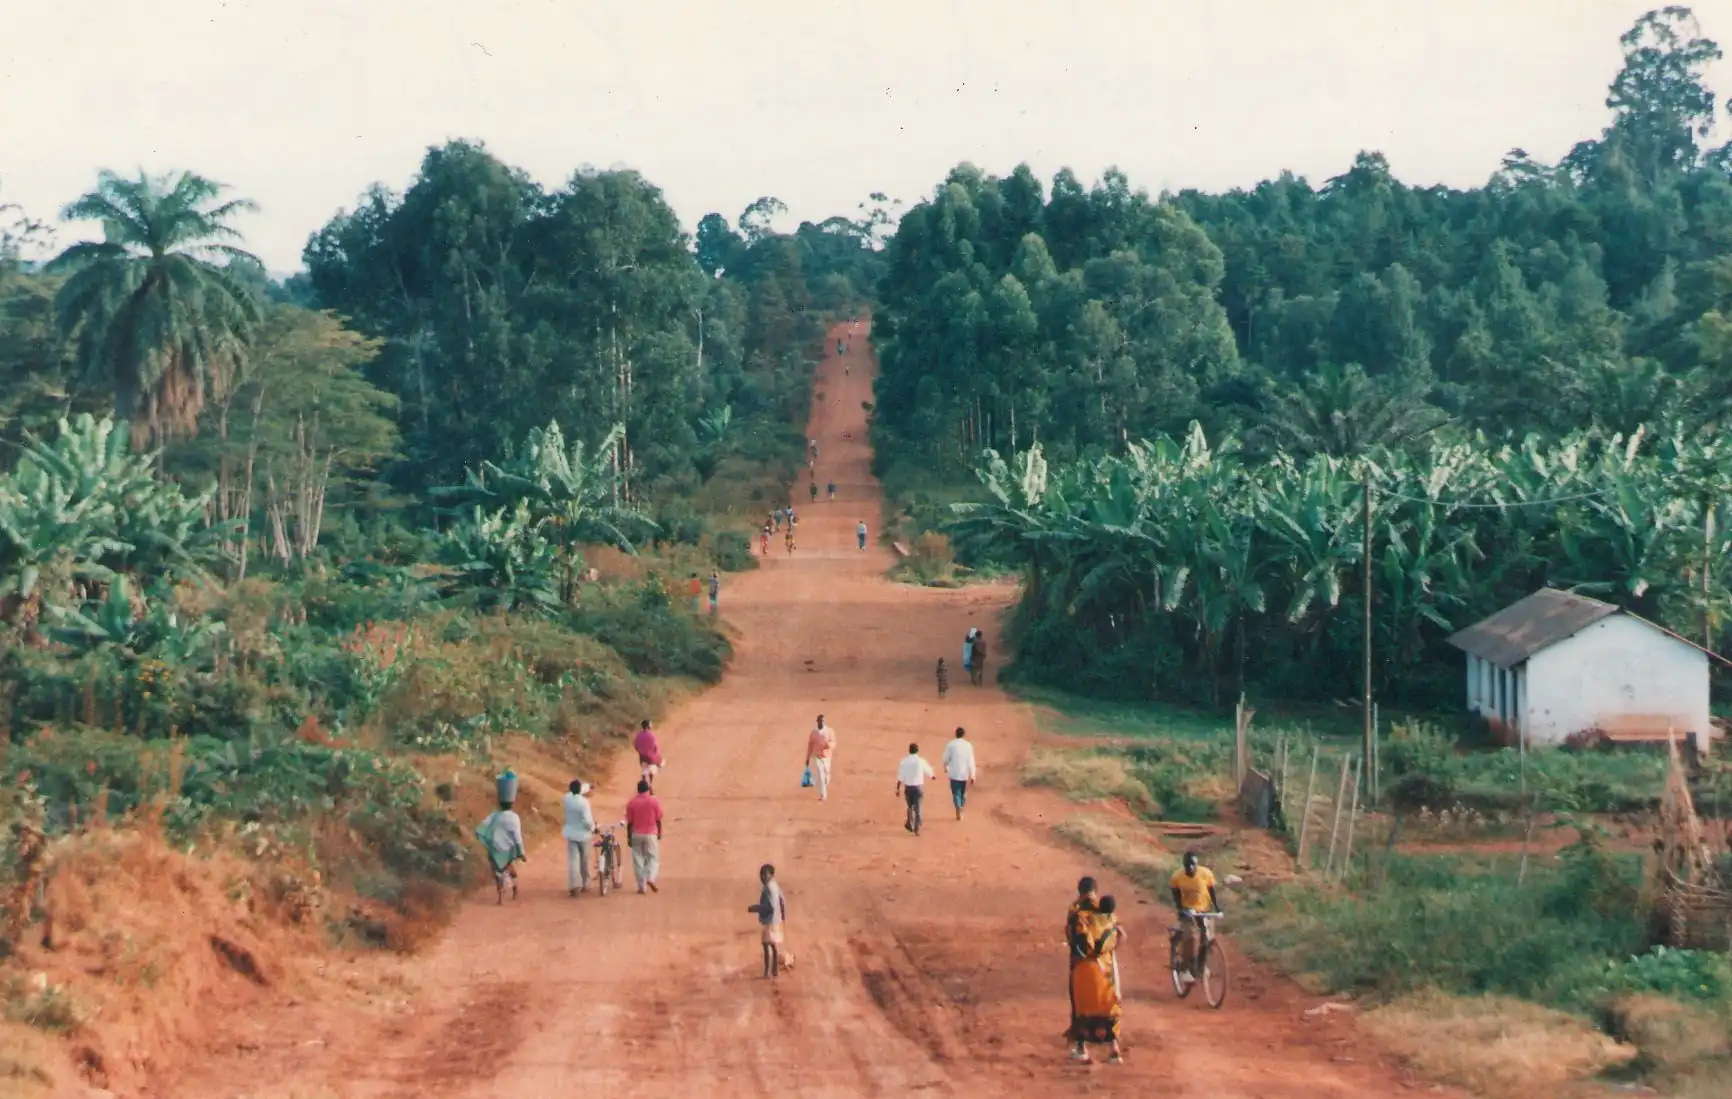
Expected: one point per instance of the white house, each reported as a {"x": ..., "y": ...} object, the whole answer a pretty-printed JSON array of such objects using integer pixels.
[{"x": 1554, "y": 664}]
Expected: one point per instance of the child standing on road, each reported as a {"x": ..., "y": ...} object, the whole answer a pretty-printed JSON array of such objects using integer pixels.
[
  {"x": 860, "y": 534},
  {"x": 943, "y": 679},
  {"x": 764, "y": 541},
  {"x": 715, "y": 589},
  {"x": 814, "y": 487},
  {"x": 832, "y": 491},
  {"x": 772, "y": 912}
]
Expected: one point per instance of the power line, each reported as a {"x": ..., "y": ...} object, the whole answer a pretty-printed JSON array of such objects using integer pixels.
[{"x": 1499, "y": 506}]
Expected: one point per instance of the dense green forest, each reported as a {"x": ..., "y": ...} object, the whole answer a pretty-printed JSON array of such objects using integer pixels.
[{"x": 1216, "y": 378}]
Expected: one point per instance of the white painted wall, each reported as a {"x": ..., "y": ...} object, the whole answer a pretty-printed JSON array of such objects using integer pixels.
[{"x": 1618, "y": 668}]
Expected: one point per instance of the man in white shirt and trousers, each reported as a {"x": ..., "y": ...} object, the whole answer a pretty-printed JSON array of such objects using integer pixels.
[
  {"x": 911, "y": 776},
  {"x": 579, "y": 829},
  {"x": 958, "y": 765}
]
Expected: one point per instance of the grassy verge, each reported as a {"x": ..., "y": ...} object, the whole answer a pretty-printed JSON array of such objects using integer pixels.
[
  {"x": 917, "y": 503},
  {"x": 1504, "y": 979}
]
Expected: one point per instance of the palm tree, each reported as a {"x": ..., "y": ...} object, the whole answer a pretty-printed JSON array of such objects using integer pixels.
[
  {"x": 154, "y": 315},
  {"x": 1343, "y": 411}
]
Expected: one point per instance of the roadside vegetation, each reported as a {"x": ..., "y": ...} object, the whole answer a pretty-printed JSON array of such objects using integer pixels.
[
  {"x": 290, "y": 570},
  {"x": 1184, "y": 419}
]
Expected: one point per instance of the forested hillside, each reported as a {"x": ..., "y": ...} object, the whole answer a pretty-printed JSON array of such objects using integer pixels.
[
  {"x": 283, "y": 564},
  {"x": 1531, "y": 375}
]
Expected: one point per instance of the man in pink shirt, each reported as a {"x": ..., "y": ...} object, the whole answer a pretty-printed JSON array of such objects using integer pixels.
[
  {"x": 819, "y": 747},
  {"x": 643, "y": 831},
  {"x": 649, "y": 753}
]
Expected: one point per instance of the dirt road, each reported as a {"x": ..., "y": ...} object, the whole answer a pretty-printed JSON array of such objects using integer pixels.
[{"x": 928, "y": 964}]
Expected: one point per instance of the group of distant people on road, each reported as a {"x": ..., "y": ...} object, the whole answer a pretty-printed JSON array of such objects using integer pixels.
[
  {"x": 973, "y": 662},
  {"x": 501, "y": 834}
]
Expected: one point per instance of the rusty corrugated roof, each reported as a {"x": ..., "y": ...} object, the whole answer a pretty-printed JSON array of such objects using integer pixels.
[{"x": 1528, "y": 625}]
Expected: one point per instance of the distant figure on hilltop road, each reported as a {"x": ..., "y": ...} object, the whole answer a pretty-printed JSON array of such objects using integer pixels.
[{"x": 860, "y": 534}]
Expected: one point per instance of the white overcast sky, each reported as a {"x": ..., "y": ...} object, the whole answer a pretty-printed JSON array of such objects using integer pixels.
[{"x": 300, "y": 104}]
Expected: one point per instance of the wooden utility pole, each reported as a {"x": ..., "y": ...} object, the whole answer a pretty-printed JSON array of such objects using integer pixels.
[{"x": 1365, "y": 551}]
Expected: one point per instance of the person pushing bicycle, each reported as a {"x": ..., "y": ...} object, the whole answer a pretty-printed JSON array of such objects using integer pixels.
[{"x": 1192, "y": 885}]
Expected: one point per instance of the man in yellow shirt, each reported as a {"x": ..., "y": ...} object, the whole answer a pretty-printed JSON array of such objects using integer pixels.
[{"x": 1193, "y": 884}]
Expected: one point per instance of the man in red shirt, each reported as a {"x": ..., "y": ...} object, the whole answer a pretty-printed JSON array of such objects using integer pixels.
[
  {"x": 643, "y": 831},
  {"x": 649, "y": 753}
]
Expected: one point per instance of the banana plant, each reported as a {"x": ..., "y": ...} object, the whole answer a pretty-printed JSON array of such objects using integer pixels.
[
  {"x": 499, "y": 561},
  {"x": 570, "y": 492}
]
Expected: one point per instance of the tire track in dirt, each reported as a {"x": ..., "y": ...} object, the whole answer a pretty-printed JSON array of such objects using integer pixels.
[{"x": 930, "y": 965}]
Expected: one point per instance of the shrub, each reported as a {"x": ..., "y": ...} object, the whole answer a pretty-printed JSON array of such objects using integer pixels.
[
  {"x": 1465, "y": 927},
  {"x": 732, "y": 550},
  {"x": 1668, "y": 1033},
  {"x": 930, "y": 560},
  {"x": 1422, "y": 767},
  {"x": 653, "y": 636}
]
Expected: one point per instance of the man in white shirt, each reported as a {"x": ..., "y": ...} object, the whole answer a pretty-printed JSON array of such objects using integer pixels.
[
  {"x": 958, "y": 764},
  {"x": 579, "y": 828},
  {"x": 911, "y": 776}
]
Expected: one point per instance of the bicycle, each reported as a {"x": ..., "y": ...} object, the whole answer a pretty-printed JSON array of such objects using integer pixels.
[
  {"x": 1212, "y": 965},
  {"x": 609, "y": 867}
]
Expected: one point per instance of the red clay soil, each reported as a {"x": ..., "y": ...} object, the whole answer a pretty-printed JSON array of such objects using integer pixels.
[{"x": 930, "y": 964}]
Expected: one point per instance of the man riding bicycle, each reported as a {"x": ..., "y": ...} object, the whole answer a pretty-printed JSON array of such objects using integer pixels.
[{"x": 1192, "y": 885}]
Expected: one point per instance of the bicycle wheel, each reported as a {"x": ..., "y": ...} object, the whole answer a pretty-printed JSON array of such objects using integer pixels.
[
  {"x": 1215, "y": 974},
  {"x": 1176, "y": 963}
]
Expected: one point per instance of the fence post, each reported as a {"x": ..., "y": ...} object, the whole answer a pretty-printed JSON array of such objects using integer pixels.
[
  {"x": 1305, "y": 810},
  {"x": 1352, "y": 815},
  {"x": 1335, "y": 829},
  {"x": 1281, "y": 790}
]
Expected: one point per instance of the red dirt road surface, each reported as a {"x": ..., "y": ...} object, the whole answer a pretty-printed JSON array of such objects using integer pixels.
[{"x": 926, "y": 965}]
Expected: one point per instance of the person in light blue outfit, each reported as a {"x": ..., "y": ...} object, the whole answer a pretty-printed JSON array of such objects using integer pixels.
[
  {"x": 502, "y": 835},
  {"x": 968, "y": 650}
]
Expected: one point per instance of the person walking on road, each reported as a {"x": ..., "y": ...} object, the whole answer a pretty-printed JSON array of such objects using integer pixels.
[
  {"x": 968, "y": 652},
  {"x": 958, "y": 764},
  {"x": 772, "y": 913},
  {"x": 860, "y": 534},
  {"x": 832, "y": 487},
  {"x": 697, "y": 590},
  {"x": 943, "y": 678},
  {"x": 643, "y": 831},
  {"x": 814, "y": 488},
  {"x": 502, "y": 835},
  {"x": 820, "y": 748},
  {"x": 911, "y": 776},
  {"x": 764, "y": 541},
  {"x": 977, "y": 661},
  {"x": 649, "y": 753},
  {"x": 579, "y": 832},
  {"x": 715, "y": 589},
  {"x": 1096, "y": 1006}
]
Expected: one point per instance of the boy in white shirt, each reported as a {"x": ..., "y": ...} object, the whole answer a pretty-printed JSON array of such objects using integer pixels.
[
  {"x": 958, "y": 761},
  {"x": 911, "y": 776}
]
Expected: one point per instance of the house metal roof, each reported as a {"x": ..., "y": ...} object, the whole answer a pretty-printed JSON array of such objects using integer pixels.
[{"x": 1528, "y": 625}]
